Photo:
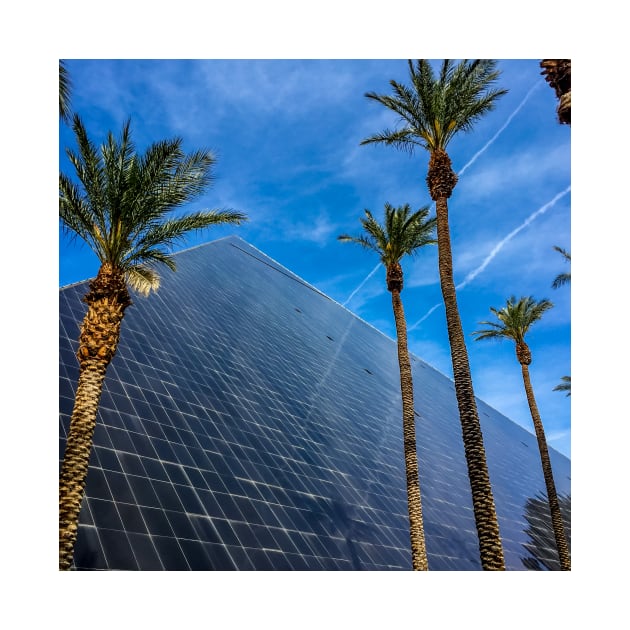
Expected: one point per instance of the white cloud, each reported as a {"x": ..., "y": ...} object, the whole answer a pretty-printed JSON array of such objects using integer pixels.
[
  {"x": 319, "y": 229},
  {"x": 510, "y": 173}
]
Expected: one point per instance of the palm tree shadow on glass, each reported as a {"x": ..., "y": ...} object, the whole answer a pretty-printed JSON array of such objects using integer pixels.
[
  {"x": 431, "y": 112},
  {"x": 121, "y": 207},
  {"x": 402, "y": 233},
  {"x": 542, "y": 545}
]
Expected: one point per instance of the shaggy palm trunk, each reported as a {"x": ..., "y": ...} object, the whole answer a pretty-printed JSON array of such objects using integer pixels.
[
  {"x": 441, "y": 180},
  {"x": 524, "y": 357},
  {"x": 419, "y": 560},
  {"x": 100, "y": 333},
  {"x": 557, "y": 73}
]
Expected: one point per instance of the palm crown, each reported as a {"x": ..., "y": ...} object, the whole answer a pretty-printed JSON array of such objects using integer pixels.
[
  {"x": 403, "y": 232},
  {"x": 515, "y": 319},
  {"x": 121, "y": 204},
  {"x": 435, "y": 108}
]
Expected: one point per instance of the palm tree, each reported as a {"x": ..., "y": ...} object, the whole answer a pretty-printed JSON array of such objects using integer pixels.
[
  {"x": 402, "y": 233},
  {"x": 515, "y": 319},
  {"x": 120, "y": 208},
  {"x": 565, "y": 386},
  {"x": 557, "y": 73},
  {"x": 64, "y": 91},
  {"x": 562, "y": 278},
  {"x": 431, "y": 112}
]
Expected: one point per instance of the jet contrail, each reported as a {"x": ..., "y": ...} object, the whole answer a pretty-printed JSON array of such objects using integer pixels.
[
  {"x": 495, "y": 250},
  {"x": 470, "y": 163},
  {"x": 473, "y": 159},
  {"x": 512, "y": 234},
  {"x": 361, "y": 285}
]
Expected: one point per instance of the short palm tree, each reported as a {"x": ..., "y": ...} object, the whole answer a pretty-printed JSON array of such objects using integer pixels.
[
  {"x": 402, "y": 233},
  {"x": 515, "y": 319},
  {"x": 121, "y": 208},
  {"x": 64, "y": 91},
  {"x": 432, "y": 111}
]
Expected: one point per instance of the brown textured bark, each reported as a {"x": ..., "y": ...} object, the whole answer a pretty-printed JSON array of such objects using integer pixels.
[
  {"x": 557, "y": 73},
  {"x": 441, "y": 178},
  {"x": 394, "y": 277},
  {"x": 441, "y": 181},
  {"x": 419, "y": 560},
  {"x": 100, "y": 333},
  {"x": 552, "y": 496},
  {"x": 523, "y": 353}
]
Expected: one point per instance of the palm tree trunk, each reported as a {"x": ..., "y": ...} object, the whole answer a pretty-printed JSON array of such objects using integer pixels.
[
  {"x": 76, "y": 458},
  {"x": 552, "y": 496},
  {"x": 490, "y": 548},
  {"x": 414, "y": 503},
  {"x": 99, "y": 338}
]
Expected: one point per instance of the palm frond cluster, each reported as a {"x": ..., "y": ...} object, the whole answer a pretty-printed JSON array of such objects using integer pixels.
[
  {"x": 515, "y": 319},
  {"x": 123, "y": 202},
  {"x": 403, "y": 232},
  {"x": 434, "y": 108}
]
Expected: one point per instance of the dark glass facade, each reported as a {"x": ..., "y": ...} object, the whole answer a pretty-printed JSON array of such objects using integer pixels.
[{"x": 249, "y": 422}]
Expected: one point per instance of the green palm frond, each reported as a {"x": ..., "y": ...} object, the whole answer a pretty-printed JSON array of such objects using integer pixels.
[
  {"x": 143, "y": 279},
  {"x": 562, "y": 278},
  {"x": 121, "y": 203},
  {"x": 434, "y": 108},
  {"x": 565, "y": 386},
  {"x": 515, "y": 319},
  {"x": 65, "y": 86},
  {"x": 364, "y": 241},
  {"x": 402, "y": 232},
  {"x": 160, "y": 236}
]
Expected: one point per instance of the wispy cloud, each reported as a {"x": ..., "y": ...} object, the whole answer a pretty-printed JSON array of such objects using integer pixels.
[
  {"x": 510, "y": 175},
  {"x": 499, "y": 246}
]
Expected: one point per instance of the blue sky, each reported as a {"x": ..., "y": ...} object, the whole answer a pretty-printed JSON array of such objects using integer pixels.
[{"x": 286, "y": 134}]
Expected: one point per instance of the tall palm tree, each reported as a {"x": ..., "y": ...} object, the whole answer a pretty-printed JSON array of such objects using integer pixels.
[
  {"x": 64, "y": 91},
  {"x": 557, "y": 73},
  {"x": 402, "y": 233},
  {"x": 562, "y": 278},
  {"x": 121, "y": 208},
  {"x": 515, "y": 319},
  {"x": 432, "y": 111}
]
